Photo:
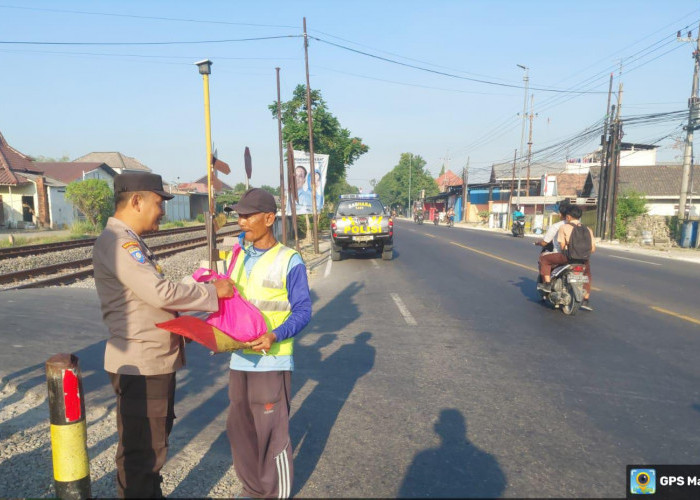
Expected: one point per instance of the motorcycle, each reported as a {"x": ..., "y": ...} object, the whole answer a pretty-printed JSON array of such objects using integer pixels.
[
  {"x": 450, "y": 221},
  {"x": 436, "y": 219},
  {"x": 418, "y": 218},
  {"x": 518, "y": 227},
  {"x": 567, "y": 288}
]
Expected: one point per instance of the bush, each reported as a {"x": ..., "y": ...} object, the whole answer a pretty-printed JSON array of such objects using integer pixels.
[
  {"x": 630, "y": 205},
  {"x": 173, "y": 224},
  {"x": 94, "y": 199},
  {"x": 83, "y": 227},
  {"x": 484, "y": 215},
  {"x": 674, "y": 232},
  {"x": 200, "y": 218}
]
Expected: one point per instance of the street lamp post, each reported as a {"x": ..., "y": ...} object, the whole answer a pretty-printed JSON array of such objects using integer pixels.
[
  {"x": 205, "y": 70},
  {"x": 410, "y": 168}
]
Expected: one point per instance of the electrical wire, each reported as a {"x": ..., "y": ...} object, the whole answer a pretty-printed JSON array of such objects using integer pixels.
[{"x": 195, "y": 42}]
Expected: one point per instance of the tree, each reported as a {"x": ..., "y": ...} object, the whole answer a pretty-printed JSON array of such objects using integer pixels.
[
  {"x": 273, "y": 190},
  {"x": 329, "y": 137},
  {"x": 49, "y": 159},
  {"x": 393, "y": 187},
  {"x": 93, "y": 198},
  {"x": 630, "y": 204}
]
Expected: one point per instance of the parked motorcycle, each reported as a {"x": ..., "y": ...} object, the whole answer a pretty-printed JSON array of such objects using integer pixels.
[
  {"x": 567, "y": 288},
  {"x": 518, "y": 227}
]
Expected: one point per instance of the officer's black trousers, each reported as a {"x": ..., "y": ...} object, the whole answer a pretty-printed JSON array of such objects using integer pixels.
[{"x": 145, "y": 414}]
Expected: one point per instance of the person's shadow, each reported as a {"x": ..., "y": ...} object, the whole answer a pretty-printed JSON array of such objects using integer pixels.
[
  {"x": 311, "y": 425},
  {"x": 456, "y": 469}
]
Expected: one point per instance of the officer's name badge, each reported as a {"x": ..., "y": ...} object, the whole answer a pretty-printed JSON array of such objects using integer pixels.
[{"x": 135, "y": 251}]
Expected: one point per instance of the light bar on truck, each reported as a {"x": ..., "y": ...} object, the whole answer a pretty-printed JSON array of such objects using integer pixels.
[{"x": 370, "y": 196}]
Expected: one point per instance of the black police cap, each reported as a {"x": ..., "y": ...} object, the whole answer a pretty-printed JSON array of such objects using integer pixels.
[
  {"x": 256, "y": 200},
  {"x": 140, "y": 181}
]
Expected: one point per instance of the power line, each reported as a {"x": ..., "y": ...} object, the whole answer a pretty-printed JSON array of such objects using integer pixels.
[
  {"x": 157, "y": 18},
  {"x": 199, "y": 42},
  {"x": 451, "y": 75}
]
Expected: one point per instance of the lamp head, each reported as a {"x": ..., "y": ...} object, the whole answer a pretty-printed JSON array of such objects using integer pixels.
[{"x": 204, "y": 67}]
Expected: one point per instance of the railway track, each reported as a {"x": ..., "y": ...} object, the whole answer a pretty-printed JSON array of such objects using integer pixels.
[
  {"x": 12, "y": 252},
  {"x": 81, "y": 269}
]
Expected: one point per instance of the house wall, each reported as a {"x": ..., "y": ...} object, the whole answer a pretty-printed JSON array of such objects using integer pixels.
[
  {"x": 12, "y": 203},
  {"x": 178, "y": 208},
  {"x": 100, "y": 174},
  {"x": 670, "y": 208},
  {"x": 61, "y": 210}
]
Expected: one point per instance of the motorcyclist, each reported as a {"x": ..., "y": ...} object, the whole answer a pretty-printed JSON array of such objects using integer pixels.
[{"x": 451, "y": 215}]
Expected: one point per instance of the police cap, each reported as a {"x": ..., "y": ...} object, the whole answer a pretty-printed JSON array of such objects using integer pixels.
[
  {"x": 140, "y": 181},
  {"x": 256, "y": 200}
]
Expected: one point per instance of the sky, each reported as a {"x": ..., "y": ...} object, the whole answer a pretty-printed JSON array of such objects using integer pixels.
[{"x": 124, "y": 92}]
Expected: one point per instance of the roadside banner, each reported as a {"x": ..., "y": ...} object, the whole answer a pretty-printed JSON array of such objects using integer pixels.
[{"x": 302, "y": 179}]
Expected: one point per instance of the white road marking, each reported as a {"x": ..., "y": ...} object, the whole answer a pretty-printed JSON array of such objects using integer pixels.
[
  {"x": 328, "y": 268},
  {"x": 374, "y": 263},
  {"x": 636, "y": 260},
  {"x": 403, "y": 310}
]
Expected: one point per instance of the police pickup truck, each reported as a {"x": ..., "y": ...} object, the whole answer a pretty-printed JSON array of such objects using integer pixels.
[{"x": 361, "y": 221}]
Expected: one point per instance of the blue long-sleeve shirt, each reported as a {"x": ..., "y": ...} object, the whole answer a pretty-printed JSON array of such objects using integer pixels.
[{"x": 300, "y": 301}]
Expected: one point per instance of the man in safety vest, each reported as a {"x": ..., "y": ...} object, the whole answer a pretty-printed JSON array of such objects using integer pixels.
[{"x": 273, "y": 278}]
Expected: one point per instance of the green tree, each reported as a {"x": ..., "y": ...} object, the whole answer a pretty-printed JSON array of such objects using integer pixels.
[
  {"x": 49, "y": 159},
  {"x": 329, "y": 137},
  {"x": 630, "y": 204},
  {"x": 230, "y": 197},
  {"x": 393, "y": 187},
  {"x": 273, "y": 190},
  {"x": 93, "y": 198}
]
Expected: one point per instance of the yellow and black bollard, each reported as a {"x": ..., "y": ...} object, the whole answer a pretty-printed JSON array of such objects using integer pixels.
[{"x": 71, "y": 468}]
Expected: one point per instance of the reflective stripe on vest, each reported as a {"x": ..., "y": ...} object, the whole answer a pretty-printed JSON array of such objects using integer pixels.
[{"x": 267, "y": 283}]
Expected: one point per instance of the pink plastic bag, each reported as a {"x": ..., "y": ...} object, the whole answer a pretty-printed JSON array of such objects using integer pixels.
[{"x": 236, "y": 317}]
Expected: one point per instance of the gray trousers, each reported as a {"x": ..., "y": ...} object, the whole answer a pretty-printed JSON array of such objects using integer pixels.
[{"x": 258, "y": 431}]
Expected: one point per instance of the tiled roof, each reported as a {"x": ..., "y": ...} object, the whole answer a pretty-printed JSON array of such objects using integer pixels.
[
  {"x": 651, "y": 180},
  {"x": 219, "y": 185},
  {"x": 570, "y": 184},
  {"x": 504, "y": 171},
  {"x": 114, "y": 160},
  {"x": 10, "y": 161},
  {"x": 69, "y": 171},
  {"x": 449, "y": 178}
]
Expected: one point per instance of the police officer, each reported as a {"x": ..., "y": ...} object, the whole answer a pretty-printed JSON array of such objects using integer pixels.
[{"x": 140, "y": 358}]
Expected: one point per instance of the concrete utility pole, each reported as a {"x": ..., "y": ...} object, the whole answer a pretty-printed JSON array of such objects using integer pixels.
[
  {"x": 312, "y": 169},
  {"x": 686, "y": 187},
  {"x": 283, "y": 207},
  {"x": 526, "y": 80},
  {"x": 602, "y": 179},
  {"x": 529, "y": 146},
  {"x": 410, "y": 164},
  {"x": 615, "y": 165},
  {"x": 465, "y": 191}
]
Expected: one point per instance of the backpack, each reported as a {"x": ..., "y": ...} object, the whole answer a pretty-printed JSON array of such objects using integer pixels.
[{"x": 579, "y": 246}]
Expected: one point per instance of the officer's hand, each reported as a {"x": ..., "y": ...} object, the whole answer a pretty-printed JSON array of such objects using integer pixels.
[
  {"x": 264, "y": 342},
  {"x": 224, "y": 288}
]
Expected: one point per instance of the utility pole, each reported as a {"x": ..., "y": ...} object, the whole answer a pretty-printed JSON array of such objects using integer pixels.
[
  {"x": 615, "y": 165},
  {"x": 529, "y": 146},
  {"x": 686, "y": 187},
  {"x": 465, "y": 191},
  {"x": 526, "y": 80},
  {"x": 410, "y": 168},
  {"x": 602, "y": 179},
  {"x": 283, "y": 207},
  {"x": 312, "y": 169},
  {"x": 512, "y": 182}
]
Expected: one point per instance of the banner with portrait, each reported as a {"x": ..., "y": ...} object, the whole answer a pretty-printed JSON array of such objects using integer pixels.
[{"x": 302, "y": 179}]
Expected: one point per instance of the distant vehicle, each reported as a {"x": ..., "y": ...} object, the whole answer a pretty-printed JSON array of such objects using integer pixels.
[
  {"x": 518, "y": 227},
  {"x": 361, "y": 222}
]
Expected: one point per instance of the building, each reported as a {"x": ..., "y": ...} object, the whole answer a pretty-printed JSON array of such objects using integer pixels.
[
  {"x": 118, "y": 162},
  {"x": 20, "y": 205},
  {"x": 659, "y": 184}
]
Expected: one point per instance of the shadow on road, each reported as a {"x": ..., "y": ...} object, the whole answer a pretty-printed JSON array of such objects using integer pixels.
[
  {"x": 456, "y": 469},
  {"x": 527, "y": 287},
  {"x": 337, "y": 375}
]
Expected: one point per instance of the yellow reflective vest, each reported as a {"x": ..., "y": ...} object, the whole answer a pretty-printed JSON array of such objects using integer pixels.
[{"x": 266, "y": 288}]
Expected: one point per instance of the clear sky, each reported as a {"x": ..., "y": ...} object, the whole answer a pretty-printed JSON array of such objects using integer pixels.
[{"x": 146, "y": 101}]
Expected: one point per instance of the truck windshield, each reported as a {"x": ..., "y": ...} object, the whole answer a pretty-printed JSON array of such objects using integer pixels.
[{"x": 360, "y": 207}]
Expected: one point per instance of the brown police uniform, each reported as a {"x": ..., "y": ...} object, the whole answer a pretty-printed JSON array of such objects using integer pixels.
[{"x": 140, "y": 358}]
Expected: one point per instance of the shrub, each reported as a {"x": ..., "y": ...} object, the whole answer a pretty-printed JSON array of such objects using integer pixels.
[
  {"x": 631, "y": 204},
  {"x": 83, "y": 227},
  {"x": 200, "y": 218},
  {"x": 173, "y": 224},
  {"x": 94, "y": 199}
]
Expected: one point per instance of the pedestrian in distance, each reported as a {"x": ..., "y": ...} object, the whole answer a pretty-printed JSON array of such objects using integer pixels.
[
  {"x": 273, "y": 278},
  {"x": 140, "y": 358}
]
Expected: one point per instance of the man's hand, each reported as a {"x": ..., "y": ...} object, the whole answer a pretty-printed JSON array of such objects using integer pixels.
[
  {"x": 540, "y": 243},
  {"x": 224, "y": 288},
  {"x": 264, "y": 342}
]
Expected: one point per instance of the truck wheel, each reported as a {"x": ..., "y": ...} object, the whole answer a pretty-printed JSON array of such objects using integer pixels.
[
  {"x": 335, "y": 253},
  {"x": 387, "y": 254}
]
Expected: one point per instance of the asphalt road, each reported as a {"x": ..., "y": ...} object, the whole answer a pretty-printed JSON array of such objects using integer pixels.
[{"x": 436, "y": 374}]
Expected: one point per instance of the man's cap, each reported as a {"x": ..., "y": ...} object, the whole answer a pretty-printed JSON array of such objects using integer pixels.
[
  {"x": 140, "y": 181},
  {"x": 256, "y": 200}
]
